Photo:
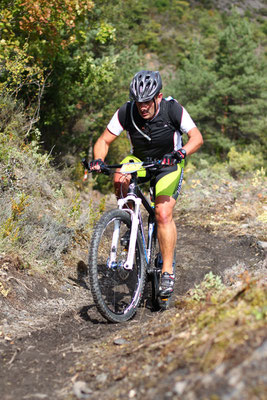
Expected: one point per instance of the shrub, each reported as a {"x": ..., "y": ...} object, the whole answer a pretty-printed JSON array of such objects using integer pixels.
[{"x": 241, "y": 162}]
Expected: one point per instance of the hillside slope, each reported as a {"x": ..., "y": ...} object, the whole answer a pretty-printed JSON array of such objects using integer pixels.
[{"x": 211, "y": 344}]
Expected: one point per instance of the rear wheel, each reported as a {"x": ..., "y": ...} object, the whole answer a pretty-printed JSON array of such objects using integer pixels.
[
  {"x": 116, "y": 291},
  {"x": 155, "y": 270}
]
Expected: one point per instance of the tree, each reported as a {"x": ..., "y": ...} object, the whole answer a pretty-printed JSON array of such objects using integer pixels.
[
  {"x": 32, "y": 34},
  {"x": 226, "y": 95},
  {"x": 239, "y": 96}
]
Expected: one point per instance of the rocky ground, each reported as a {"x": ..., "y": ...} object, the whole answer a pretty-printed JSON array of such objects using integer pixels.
[{"x": 211, "y": 344}]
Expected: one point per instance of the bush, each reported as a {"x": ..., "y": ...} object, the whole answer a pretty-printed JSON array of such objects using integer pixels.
[{"x": 242, "y": 162}]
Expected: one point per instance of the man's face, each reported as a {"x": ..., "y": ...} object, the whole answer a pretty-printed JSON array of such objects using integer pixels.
[{"x": 147, "y": 109}]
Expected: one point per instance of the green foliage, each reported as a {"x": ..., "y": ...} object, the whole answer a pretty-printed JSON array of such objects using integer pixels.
[
  {"x": 71, "y": 61},
  {"x": 96, "y": 212},
  {"x": 241, "y": 162},
  {"x": 75, "y": 211},
  {"x": 240, "y": 90},
  {"x": 226, "y": 95},
  {"x": 210, "y": 285},
  {"x": 175, "y": 6},
  {"x": 10, "y": 228}
]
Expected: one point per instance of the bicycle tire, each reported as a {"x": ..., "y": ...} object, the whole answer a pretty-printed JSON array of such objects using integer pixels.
[
  {"x": 116, "y": 292},
  {"x": 154, "y": 273}
]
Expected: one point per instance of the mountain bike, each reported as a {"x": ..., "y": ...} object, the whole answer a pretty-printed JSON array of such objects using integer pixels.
[{"x": 121, "y": 258}]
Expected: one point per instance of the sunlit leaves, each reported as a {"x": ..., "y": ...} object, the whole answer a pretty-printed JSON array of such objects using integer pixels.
[
  {"x": 106, "y": 32},
  {"x": 54, "y": 20}
]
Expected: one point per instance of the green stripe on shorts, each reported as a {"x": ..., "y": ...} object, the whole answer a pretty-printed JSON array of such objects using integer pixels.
[{"x": 170, "y": 184}]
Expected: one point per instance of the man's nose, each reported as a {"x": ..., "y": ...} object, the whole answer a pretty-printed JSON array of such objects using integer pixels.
[{"x": 144, "y": 107}]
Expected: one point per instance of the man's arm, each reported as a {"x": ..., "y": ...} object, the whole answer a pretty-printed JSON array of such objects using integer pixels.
[
  {"x": 195, "y": 141},
  {"x": 102, "y": 144}
]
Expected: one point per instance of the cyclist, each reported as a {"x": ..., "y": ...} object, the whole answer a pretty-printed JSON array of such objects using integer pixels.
[{"x": 154, "y": 127}]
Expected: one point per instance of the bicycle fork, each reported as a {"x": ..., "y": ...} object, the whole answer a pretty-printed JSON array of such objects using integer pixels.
[{"x": 128, "y": 264}]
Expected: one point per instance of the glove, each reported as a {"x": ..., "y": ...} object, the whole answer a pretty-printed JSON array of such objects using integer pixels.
[
  {"x": 100, "y": 163},
  {"x": 174, "y": 157}
]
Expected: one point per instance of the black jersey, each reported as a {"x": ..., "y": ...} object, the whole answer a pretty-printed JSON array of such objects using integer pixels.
[{"x": 164, "y": 130}]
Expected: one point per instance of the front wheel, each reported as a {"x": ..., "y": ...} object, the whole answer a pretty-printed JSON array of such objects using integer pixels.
[{"x": 116, "y": 291}]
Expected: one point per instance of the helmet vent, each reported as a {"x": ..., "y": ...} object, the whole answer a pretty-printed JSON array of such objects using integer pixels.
[{"x": 145, "y": 85}]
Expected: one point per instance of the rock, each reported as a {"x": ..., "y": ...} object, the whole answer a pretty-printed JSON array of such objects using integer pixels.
[
  {"x": 262, "y": 245},
  {"x": 120, "y": 341},
  {"x": 101, "y": 378},
  {"x": 132, "y": 394},
  {"x": 180, "y": 387},
  {"x": 81, "y": 390}
]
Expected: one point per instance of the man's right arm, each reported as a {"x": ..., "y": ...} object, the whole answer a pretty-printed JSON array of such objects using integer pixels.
[
  {"x": 102, "y": 144},
  {"x": 113, "y": 130}
]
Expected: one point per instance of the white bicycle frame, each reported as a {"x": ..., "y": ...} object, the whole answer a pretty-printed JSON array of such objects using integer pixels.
[
  {"x": 134, "y": 229},
  {"x": 134, "y": 213}
]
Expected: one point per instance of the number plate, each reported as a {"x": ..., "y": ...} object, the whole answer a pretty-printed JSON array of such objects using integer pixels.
[{"x": 131, "y": 167}]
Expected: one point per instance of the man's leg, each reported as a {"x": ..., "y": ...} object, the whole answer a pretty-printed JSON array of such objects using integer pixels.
[
  {"x": 122, "y": 181},
  {"x": 167, "y": 234},
  {"x": 121, "y": 184}
]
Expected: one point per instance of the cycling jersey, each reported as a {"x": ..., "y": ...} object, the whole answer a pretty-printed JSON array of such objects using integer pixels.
[{"x": 165, "y": 129}]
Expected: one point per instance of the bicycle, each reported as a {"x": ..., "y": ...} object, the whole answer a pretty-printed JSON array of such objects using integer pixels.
[{"x": 121, "y": 259}]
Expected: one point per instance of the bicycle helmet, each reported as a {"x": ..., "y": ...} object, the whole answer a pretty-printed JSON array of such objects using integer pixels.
[{"x": 145, "y": 85}]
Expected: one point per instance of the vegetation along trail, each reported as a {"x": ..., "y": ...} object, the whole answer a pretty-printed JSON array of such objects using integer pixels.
[
  {"x": 64, "y": 70},
  {"x": 56, "y": 345}
]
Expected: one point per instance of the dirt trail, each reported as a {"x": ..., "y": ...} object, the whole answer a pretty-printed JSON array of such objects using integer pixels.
[{"x": 45, "y": 332}]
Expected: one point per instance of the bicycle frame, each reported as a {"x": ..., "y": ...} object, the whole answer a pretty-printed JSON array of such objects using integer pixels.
[{"x": 136, "y": 196}]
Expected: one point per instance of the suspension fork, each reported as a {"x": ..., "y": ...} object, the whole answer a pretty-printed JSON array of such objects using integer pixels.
[{"x": 134, "y": 229}]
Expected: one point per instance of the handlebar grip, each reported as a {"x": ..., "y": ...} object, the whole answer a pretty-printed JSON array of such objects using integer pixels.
[{"x": 104, "y": 169}]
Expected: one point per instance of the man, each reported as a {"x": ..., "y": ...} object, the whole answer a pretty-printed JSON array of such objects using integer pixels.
[{"x": 154, "y": 127}]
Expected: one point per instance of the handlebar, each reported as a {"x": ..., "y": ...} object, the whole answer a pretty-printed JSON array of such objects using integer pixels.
[
  {"x": 86, "y": 165},
  {"x": 106, "y": 169}
]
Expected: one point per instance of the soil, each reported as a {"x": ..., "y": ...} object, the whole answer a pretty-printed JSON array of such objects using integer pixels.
[{"x": 55, "y": 345}]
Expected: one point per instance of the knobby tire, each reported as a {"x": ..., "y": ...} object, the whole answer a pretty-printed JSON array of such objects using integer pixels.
[{"x": 116, "y": 292}]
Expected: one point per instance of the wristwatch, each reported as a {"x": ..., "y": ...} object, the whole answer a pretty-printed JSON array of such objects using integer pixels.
[{"x": 183, "y": 152}]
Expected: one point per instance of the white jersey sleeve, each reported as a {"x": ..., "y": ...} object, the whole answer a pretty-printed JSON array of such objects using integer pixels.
[
  {"x": 186, "y": 122},
  {"x": 114, "y": 125}
]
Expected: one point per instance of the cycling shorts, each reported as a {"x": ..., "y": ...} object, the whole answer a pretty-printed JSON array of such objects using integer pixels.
[{"x": 167, "y": 180}]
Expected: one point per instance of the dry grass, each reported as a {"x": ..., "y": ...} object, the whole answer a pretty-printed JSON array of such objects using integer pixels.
[
  {"x": 236, "y": 206},
  {"x": 191, "y": 349}
]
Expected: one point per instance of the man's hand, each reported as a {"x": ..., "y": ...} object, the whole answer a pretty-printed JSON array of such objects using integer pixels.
[
  {"x": 174, "y": 157},
  {"x": 99, "y": 166},
  {"x": 96, "y": 165}
]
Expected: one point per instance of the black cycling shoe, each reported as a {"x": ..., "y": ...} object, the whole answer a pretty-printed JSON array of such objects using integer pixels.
[{"x": 166, "y": 284}]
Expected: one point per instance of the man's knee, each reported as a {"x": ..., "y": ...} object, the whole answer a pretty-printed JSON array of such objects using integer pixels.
[
  {"x": 121, "y": 183},
  {"x": 164, "y": 209},
  {"x": 163, "y": 215}
]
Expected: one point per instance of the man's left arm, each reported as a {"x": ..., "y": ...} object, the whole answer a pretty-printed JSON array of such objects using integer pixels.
[{"x": 195, "y": 141}]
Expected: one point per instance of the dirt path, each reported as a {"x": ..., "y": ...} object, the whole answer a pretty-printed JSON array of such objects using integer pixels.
[{"x": 45, "y": 333}]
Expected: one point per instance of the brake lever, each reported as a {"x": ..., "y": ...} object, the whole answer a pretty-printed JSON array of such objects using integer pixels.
[
  {"x": 105, "y": 170},
  {"x": 85, "y": 164}
]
